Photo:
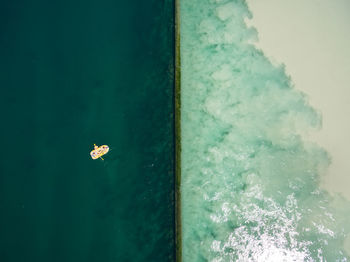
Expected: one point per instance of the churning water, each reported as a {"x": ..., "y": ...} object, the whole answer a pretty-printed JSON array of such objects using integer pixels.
[{"x": 250, "y": 177}]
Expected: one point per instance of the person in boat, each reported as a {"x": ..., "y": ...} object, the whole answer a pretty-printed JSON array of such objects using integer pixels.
[{"x": 99, "y": 151}]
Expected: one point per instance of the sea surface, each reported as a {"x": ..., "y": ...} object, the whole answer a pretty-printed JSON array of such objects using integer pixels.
[
  {"x": 325, "y": 73},
  {"x": 75, "y": 73},
  {"x": 250, "y": 176}
]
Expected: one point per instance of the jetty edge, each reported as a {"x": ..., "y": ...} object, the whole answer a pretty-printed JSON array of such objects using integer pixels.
[{"x": 177, "y": 103}]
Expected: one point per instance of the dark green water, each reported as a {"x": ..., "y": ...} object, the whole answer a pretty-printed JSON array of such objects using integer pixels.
[{"x": 74, "y": 73}]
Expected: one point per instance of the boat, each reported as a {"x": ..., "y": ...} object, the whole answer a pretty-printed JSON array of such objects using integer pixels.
[{"x": 99, "y": 151}]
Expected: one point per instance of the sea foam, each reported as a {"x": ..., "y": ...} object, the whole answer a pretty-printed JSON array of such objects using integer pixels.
[{"x": 250, "y": 179}]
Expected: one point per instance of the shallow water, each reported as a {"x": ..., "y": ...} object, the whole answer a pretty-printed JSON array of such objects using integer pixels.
[
  {"x": 250, "y": 178},
  {"x": 325, "y": 73},
  {"x": 74, "y": 73}
]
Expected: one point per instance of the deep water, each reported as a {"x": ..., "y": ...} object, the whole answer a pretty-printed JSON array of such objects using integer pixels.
[
  {"x": 250, "y": 177},
  {"x": 75, "y": 73}
]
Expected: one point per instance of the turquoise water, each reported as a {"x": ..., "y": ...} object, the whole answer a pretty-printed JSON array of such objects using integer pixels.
[
  {"x": 75, "y": 73},
  {"x": 250, "y": 177}
]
